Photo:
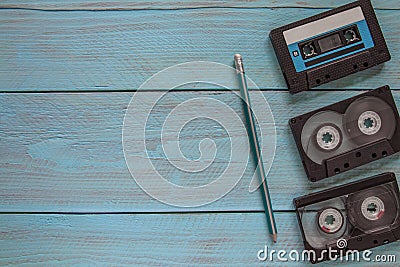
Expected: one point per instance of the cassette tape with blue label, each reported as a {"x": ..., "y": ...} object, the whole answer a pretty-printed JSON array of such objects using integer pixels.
[{"x": 329, "y": 46}]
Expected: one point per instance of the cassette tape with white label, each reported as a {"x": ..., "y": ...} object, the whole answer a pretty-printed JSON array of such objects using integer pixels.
[{"x": 329, "y": 46}]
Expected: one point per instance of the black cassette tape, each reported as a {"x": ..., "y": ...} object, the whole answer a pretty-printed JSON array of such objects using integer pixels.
[
  {"x": 351, "y": 217},
  {"x": 329, "y": 46},
  {"x": 347, "y": 134}
]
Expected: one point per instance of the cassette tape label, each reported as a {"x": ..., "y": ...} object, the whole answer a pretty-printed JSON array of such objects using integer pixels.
[
  {"x": 328, "y": 39},
  {"x": 321, "y": 26}
]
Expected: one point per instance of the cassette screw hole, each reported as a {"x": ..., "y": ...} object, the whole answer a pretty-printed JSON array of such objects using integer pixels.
[
  {"x": 359, "y": 238},
  {"x": 346, "y": 165},
  {"x": 375, "y": 241},
  {"x": 358, "y": 154},
  {"x": 337, "y": 170},
  {"x": 313, "y": 179},
  {"x": 365, "y": 64},
  {"x": 293, "y": 121},
  {"x": 374, "y": 155},
  {"x": 318, "y": 81},
  {"x": 384, "y": 153}
]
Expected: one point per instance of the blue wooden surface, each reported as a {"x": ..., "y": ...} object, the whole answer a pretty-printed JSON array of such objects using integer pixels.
[
  {"x": 66, "y": 196},
  {"x": 59, "y": 146},
  {"x": 119, "y": 50},
  {"x": 148, "y": 240}
]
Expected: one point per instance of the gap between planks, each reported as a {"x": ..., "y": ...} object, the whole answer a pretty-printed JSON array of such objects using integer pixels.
[
  {"x": 216, "y": 90},
  {"x": 143, "y": 212},
  {"x": 173, "y": 8}
]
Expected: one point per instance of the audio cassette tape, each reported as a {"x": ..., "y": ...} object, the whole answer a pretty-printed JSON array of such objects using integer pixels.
[
  {"x": 329, "y": 46},
  {"x": 352, "y": 217},
  {"x": 347, "y": 134}
]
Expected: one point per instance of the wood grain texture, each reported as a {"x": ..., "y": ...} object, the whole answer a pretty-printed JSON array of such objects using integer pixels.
[
  {"x": 151, "y": 240},
  {"x": 118, "y": 50},
  {"x": 62, "y": 152},
  {"x": 165, "y": 4}
]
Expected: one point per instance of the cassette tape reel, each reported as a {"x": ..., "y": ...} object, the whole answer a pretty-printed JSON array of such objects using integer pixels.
[
  {"x": 329, "y": 46},
  {"x": 347, "y": 134},
  {"x": 356, "y": 216}
]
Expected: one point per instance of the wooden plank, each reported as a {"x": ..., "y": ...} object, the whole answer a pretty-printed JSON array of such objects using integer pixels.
[
  {"x": 62, "y": 152},
  {"x": 163, "y": 4},
  {"x": 151, "y": 240},
  {"x": 115, "y": 50}
]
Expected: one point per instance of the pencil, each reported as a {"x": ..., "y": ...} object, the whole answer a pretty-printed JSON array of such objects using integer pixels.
[{"x": 255, "y": 146}]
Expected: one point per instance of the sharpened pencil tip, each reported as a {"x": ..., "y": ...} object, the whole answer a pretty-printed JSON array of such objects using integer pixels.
[{"x": 275, "y": 237}]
